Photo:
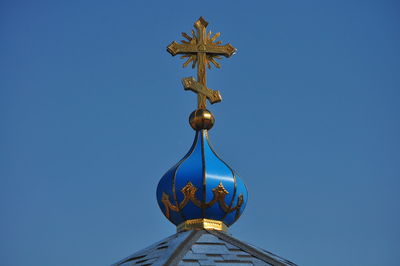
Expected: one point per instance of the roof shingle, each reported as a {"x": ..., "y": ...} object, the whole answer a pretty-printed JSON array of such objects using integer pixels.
[{"x": 203, "y": 247}]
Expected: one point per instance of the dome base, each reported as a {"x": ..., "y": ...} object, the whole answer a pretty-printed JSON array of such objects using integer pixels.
[{"x": 198, "y": 224}]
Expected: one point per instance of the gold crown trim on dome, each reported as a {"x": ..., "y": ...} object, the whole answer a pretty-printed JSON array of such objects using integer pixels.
[
  {"x": 198, "y": 224},
  {"x": 189, "y": 193}
]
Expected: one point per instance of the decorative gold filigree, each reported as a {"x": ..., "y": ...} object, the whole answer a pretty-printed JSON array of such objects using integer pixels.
[
  {"x": 201, "y": 49},
  {"x": 189, "y": 194}
]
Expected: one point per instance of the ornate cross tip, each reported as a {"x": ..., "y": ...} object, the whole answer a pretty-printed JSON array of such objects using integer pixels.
[
  {"x": 201, "y": 42},
  {"x": 201, "y": 50}
]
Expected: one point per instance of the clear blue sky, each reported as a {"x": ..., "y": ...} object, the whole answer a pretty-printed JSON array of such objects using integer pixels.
[{"x": 93, "y": 113}]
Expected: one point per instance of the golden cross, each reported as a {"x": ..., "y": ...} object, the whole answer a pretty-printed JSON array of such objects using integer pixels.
[{"x": 201, "y": 49}]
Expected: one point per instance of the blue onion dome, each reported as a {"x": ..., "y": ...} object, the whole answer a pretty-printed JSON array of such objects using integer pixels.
[{"x": 201, "y": 189}]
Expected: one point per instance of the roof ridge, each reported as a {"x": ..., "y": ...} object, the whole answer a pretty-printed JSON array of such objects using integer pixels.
[{"x": 183, "y": 248}]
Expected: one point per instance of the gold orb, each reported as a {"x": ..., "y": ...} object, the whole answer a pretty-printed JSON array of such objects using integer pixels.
[{"x": 201, "y": 119}]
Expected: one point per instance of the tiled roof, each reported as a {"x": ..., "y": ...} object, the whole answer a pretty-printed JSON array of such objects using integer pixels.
[{"x": 202, "y": 247}]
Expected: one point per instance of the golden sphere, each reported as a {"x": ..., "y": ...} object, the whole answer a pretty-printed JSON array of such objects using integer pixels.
[{"x": 201, "y": 119}]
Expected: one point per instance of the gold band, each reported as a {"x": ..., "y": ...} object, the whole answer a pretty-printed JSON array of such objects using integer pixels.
[{"x": 198, "y": 224}]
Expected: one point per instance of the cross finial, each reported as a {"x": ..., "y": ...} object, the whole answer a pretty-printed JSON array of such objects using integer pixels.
[{"x": 201, "y": 50}]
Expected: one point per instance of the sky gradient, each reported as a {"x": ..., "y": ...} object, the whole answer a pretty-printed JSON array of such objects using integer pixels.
[{"x": 93, "y": 113}]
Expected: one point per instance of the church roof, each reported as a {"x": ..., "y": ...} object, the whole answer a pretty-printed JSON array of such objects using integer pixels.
[{"x": 202, "y": 247}]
